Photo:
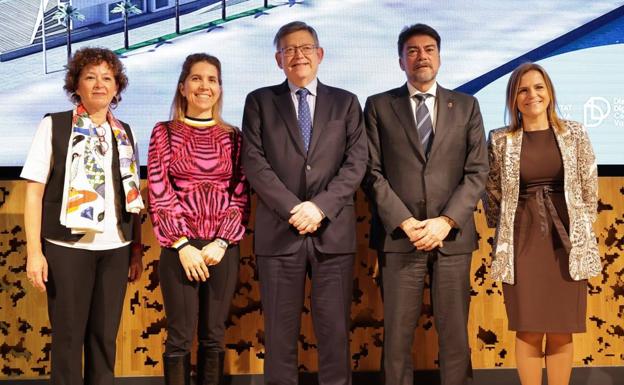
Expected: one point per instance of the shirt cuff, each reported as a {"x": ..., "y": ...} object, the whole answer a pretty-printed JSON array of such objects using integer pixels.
[
  {"x": 450, "y": 221},
  {"x": 180, "y": 241}
]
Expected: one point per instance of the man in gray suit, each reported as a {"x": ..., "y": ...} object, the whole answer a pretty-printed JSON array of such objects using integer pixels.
[
  {"x": 426, "y": 171},
  {"x": 304, "y": 153}
]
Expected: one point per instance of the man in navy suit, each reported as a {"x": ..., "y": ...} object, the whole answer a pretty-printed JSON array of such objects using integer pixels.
[
  {"x": 304, "y": 153},
  {"x": 426, "y": 171}
]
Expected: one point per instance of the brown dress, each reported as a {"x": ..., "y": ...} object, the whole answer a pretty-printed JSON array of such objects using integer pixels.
[{"x": 545, "y": 298}]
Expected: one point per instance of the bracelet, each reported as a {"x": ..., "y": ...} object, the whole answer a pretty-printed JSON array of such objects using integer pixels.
[
  {"x": 222, "y": 243},
  {"x": 181, "y": 245}
]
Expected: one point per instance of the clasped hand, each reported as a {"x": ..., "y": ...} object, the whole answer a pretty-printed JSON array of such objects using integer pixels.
[
  {"x": 306, "y": 217},
  {"x": 428, "y": 234},
  {"x": 195, "y": 262}
]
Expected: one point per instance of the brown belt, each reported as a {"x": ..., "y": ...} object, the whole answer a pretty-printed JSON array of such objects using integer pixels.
[{"x": 545, "y": 206}]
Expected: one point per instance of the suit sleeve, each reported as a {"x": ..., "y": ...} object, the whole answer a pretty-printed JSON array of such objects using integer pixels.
[
  {"x": 492, "y": 198},
  {"x": 588, "y": 173},
  {"x": 461, "y": 204},
  {"x": 390, "y": 208},
  {"x": 262, "y": 178},
  {"x": 342, "y": 187}
]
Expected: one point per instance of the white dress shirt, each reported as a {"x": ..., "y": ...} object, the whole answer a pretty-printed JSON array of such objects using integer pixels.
[
  {"x": 430, "y": 102},
  {"x": 311, "y": 87}
]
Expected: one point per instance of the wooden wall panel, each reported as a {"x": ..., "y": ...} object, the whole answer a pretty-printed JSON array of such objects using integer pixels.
[{"x": 25, "y": 331}]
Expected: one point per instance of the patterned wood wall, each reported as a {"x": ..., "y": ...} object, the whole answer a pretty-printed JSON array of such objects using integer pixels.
[{"x": 25, "y": 331}]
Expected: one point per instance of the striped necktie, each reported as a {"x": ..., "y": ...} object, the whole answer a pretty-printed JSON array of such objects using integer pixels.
[{"x": 423, "y": 122}]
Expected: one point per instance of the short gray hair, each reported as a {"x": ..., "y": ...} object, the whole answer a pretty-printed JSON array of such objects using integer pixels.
[{"x": 291, "y": 27}]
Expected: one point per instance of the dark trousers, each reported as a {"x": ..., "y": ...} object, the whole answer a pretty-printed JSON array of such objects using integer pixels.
[
  {"x": 282, "y": 288},
  {"x": 85, "y": 292},
  {"x": 403, "y": 276},
  {"x": 187, "y": 301}
]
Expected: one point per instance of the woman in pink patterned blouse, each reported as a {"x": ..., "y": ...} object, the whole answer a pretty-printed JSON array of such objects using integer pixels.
[{"x": 199, "y": 205}]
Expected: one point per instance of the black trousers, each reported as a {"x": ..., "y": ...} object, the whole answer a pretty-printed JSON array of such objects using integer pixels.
[
  {"x": 282, "y": 288},
  {"x": 187, "y": 301},
  {"x": 85, "y": 292},
  {"x": 403, "y": 277}
]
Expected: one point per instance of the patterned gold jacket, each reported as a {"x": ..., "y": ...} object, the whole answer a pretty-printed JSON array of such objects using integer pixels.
[{"x": 581, "y": 195}]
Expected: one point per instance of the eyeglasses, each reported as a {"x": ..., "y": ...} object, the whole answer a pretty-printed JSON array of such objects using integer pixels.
[
  {"x": 306, "y": 49},
  {"x": 102, "y": 145}
]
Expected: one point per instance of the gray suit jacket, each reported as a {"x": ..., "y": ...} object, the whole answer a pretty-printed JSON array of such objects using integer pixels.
[
  {"x": 283, "y": 174},
  {"x": 401, "y": 182}
]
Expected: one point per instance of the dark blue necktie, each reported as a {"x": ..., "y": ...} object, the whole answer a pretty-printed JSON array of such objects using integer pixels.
[
  {"x": 423, "y": 122},
  {"x": 304, "y": 117}
]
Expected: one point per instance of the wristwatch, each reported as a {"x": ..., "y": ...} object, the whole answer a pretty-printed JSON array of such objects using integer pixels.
[{"x": 222, "y": 243}]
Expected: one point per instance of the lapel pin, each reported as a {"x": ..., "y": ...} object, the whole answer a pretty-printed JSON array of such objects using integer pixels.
[{"x": 450, "y": 104}]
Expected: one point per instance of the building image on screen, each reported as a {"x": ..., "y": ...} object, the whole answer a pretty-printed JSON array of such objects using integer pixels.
[{"x": 579, "y": 43}]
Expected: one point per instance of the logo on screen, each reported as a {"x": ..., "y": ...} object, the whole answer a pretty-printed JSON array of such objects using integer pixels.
[{"x": 595, "y": 111}]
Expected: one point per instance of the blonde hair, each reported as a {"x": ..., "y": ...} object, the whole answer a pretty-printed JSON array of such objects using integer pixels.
[
  {"x": 179, "y": 104},
  {"x": 511, "y": 107}
]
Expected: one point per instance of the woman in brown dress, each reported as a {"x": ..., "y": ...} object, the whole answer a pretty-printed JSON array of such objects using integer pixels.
[{"x": 542, "y": 198}]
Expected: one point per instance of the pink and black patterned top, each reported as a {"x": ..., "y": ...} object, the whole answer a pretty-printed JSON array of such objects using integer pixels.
[{"x": 190, "y": 178}]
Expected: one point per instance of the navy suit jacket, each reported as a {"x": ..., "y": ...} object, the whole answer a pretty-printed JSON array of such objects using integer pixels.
[{"x": 284, "y": 175}]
